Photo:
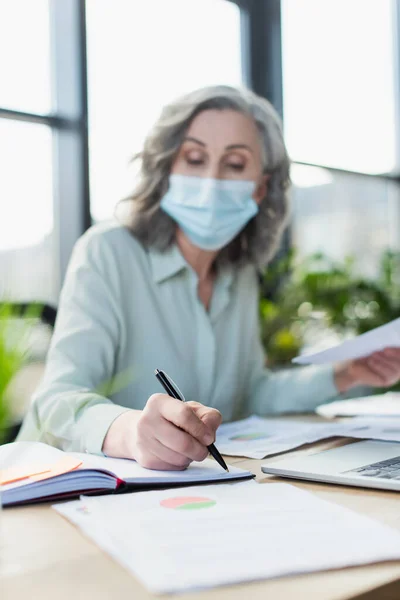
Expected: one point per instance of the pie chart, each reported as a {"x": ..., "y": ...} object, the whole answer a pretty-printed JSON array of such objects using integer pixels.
[
  {"x": 188, "y": 502},
  {"x": 248, "y": 437}
]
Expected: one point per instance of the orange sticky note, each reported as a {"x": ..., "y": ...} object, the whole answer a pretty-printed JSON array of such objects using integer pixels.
[
  {"x": 13, "y": 474},
  {"x": 64, "y": 465},
  {"x": 39, "y": 472}
]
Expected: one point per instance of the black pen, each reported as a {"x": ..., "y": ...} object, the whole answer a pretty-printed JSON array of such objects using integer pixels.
[{"x": 173, "y": 391}]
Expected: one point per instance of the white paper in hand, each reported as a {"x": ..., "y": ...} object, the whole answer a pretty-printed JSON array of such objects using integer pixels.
[{"x": 377, "y": 339}]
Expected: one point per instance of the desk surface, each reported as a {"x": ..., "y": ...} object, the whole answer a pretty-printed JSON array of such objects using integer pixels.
[{"x": 44, "y": 556}]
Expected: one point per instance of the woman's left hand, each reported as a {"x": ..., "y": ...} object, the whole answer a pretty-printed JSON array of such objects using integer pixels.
[{"x": 380, "y": 369}]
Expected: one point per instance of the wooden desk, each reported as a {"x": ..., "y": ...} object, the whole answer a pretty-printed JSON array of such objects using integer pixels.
[{"x": 44, "y": 556}]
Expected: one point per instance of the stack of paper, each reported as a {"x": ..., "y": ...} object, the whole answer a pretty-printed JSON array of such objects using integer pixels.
[
  {"x": 193, "y": 538},
  {"x": 380, "y": 405},
  {"x": 375, "y": 429},
  {"x": 256, "y": 437}
]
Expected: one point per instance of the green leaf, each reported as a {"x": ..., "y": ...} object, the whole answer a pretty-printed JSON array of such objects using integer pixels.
[{"x": 117, "y": 383}]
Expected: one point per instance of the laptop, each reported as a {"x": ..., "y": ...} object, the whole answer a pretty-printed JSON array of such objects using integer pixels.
[{"x": 369, "y": 464}]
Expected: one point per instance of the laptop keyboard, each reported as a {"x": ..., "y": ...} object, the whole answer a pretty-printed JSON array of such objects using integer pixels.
[{"x": 386, "y": 469}]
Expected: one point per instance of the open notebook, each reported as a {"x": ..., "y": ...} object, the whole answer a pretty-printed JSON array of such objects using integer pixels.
[{"x": 33, "y": 472}]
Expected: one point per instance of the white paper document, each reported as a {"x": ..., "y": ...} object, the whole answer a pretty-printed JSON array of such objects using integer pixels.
[
  {"x": 257, "y": 437},
  {"x": 200, "y": 537},
  {"x": 380, "y": 405},
  {"x": 377, "y": 339},
  {"x": 376, "y": 429}
]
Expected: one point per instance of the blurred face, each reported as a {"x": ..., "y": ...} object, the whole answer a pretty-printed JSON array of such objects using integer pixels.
[{"x": 222, "y": 144}]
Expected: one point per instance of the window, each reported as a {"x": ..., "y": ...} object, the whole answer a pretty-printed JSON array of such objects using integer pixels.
[
  {"x": 140, "y": 56},
  {"x": 43, "y": 144},
  {"x": 25, "y": 55},
  {"x": 341, "y": 114},
  {"x": 27, "y": 257},
  {"x": 344, "y": 214},
  {"x": 26, "y": 241},
  {"x": 339, "y": 77}
]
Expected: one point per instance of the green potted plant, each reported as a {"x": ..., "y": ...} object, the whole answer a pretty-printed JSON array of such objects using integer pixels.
[
  {"x": 13, "y": 353},
  {"x": 297, "y": 296}
]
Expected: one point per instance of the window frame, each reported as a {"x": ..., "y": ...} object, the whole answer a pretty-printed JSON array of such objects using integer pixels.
[{"x": 68, "y": 123}]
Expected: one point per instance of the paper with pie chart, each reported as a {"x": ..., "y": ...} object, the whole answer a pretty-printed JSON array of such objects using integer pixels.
[
  {"x": 187, "y": 502},
  {"x": 257, "y": 437},
  {"x": 191, "y": 538}
]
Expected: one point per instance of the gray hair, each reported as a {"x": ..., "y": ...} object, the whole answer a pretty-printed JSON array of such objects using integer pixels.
[{"x": 259, "y": 240}]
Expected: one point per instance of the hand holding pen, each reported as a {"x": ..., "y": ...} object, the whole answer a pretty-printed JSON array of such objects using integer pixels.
[
  {"x": 165, "y": 435},
  {"x": 172, "y": 389}
]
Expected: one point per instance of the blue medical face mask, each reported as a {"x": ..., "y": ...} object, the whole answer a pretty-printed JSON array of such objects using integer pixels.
[{"x": 211, "y": 212}]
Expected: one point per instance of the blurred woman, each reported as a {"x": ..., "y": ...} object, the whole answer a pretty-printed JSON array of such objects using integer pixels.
[{"x": 176, "y": 288}]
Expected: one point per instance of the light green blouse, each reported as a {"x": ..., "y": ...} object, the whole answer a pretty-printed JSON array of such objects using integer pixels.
[{"x": 126, "y": 310}]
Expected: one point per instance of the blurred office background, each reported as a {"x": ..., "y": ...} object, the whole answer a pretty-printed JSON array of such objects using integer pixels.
[{"x": 81, "y": 83}]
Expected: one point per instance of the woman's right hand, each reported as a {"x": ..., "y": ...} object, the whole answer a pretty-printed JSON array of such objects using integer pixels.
[{"x": 167, "y": 434}]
